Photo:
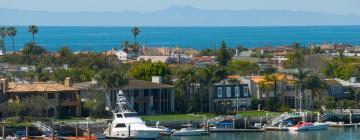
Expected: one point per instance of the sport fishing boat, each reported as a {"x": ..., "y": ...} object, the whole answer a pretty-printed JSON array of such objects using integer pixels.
[
  {"x": 308, "y": 126},
  {"x": 127, "y": 123}
]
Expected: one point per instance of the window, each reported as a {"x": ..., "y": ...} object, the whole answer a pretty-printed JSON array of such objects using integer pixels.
[
  {"x": 246, "y": 91},
  {"x": 237, "y": 91},
  {"x": 130, "y": 115},
  {"x": 51, "y": 96},
  {"x": 119, "y": 125},
  {"x": 336, "y": 89},
  {"x": 119, "y": 115},
  {"x": 219, "y": 92},
  {"x": 228, "y": 92}
]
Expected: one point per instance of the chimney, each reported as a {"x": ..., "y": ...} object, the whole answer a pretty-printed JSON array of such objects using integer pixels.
[
  {"x": 4, "y": 84},
  {"x": 237, "y": 52},
  {"x": 93, "y": 80},
  {"x": 353, "y": 79},
  {"x": 156, "y": 79},
  {"x": 67, "y": 82}
]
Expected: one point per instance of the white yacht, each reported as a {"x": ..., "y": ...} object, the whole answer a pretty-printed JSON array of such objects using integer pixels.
[
  {"x": 127, "y": 123},
  {"x": 189, "y": 130}
]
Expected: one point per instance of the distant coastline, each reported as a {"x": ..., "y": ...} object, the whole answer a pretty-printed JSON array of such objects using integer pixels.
[{"x": 101, "y": 38}]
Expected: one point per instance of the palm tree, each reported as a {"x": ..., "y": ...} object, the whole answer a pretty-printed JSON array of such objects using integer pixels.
[
  {"x": 11, "y": 32},
  {"x": 2, "y": 33},
  {"x": 314, "y": 84},
  {"x": 33, "y": 29},
  {"x": 125, "y": 47},
  {"x": 2, "y": 41},
  {"x": 135, "y": 31},
  {"x": 267, "y": 85},
  {"x": 110, "y": 80},
  {"x": 300, "y": 76}
]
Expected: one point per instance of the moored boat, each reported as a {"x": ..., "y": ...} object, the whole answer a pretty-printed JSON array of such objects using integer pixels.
[
  {"x": 189, "y": 130},
  {"x": 308, "y": 126},
  {"x": 128, "y": 124}
]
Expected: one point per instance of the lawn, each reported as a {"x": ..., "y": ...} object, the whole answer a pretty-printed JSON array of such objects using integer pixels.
[
  {"x": 173, "y": 117},
  {"x": 257, "y": 113}
]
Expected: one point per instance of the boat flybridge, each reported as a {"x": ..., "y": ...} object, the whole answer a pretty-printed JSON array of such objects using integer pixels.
[{"x": 127, "y": 123}]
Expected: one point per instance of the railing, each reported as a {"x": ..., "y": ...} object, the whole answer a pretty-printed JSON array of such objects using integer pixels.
[
  {"x": 286, "y": 116},
  {"x": 346, "y": 111},
  {"x": 44, "y": 128},
  {"x": 216, "y": 119}
]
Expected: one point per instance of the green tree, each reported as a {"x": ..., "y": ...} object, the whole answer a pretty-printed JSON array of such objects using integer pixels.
[
  {"x": 222, "y": 54},
  {"x": 125, "y": 46},
  {"x": 144, "y": 70},
  {"x": 242, "y": 67},
  {"x": 301, "y": 75},
  {"x": 11, "y": 32},
  {"x": 112, "y": 80},
  {"x": 315, "y": 84},
  {"x": 294, "y": 60},
  {"x": 33, "y": 29},
  {"x": 135, "y": 31},
  {"x": 3, "y": 33},
  {"x": 33, "y": 49},
  {"x": 205, "y": 52},
  {"x": 34, "y": 106},
  {"x": 96, "y": 104}
]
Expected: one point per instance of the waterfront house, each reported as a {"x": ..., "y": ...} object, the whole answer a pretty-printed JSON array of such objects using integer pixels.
[
  {"x": 230, "y": 94},
  {"x": 340, "y": 89},
  {"x": 286, "y": 90},
  {"x": 146, "y": 97},
  {"x": 61, "y": 99}
]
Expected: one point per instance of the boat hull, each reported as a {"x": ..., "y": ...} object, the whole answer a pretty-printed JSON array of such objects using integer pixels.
[
  {"x": 309, "y": 128},
  {"x": 135, "y": 134},
  {"x": 188, "y": 133}
]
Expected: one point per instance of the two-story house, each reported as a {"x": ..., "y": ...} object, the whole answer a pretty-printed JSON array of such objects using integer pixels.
[
  {"x": 231, "y": 94},
  {"x": 61, "y": 99}
]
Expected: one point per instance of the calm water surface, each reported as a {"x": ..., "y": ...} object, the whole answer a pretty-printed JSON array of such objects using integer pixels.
[
  {"x": 330, "y": 134},
  {"x": 104, "y": 38}
]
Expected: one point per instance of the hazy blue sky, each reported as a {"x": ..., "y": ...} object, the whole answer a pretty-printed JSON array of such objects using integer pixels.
[{"x": 324, "y": 6}]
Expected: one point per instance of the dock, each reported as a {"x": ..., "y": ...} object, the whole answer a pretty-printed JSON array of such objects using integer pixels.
[
  {"x": 235, "y": 130},
  {"x": 276, "y": 128},
  {"x": 341, "y": 124}
]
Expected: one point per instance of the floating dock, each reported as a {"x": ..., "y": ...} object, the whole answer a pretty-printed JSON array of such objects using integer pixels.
[
  {"x": 225, "y": 130},
  {"x": 341, "y": 124},
  {"x": 276, "y": 128}
]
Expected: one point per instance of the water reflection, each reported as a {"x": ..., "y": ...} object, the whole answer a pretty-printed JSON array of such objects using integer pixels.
[{"x": 330, "y": 134}]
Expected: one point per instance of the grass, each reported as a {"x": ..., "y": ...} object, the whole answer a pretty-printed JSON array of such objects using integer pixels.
[
  {"x": 257, "y": 113},
  {"x": 176, "y": 117}
]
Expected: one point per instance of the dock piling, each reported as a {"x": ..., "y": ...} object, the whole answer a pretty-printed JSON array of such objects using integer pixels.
[
  {"x": 26, "y": 132},
  {"x": 3, "y": 132}
]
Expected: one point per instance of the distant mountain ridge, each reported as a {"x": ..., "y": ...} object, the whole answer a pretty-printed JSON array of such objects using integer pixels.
[{"x": 176, "y": 16}]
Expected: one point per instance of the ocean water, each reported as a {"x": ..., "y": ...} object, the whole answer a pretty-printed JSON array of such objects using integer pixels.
[{"x": 104, "y": 38}]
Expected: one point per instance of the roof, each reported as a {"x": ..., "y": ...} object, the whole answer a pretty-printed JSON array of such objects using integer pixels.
[
  {"x": 337, "y": 81},
  {"x": 141, "y": 84},
  {"x": 257, "y": 79},
  {"x": 154, "y": 58},
  {"x": 133, "y": 84},
  {"x": 37, "y": 87}
]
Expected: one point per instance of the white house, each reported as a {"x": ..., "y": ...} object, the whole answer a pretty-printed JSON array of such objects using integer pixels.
[{"x": 122, "y": 55}]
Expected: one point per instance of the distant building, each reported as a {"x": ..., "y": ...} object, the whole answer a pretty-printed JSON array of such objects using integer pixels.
[
  {"x": 124, "y": 56},
  {"x": 146, "y": 97},
  {"x": 5, "y": 67},
  {"x": 61, "y": 99}
]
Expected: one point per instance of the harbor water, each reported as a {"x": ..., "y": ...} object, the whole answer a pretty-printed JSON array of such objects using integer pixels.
[{"x": 329, "y": 134}]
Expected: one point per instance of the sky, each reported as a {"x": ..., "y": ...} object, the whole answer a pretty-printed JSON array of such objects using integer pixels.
[{"x": 341, "y": 7}]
